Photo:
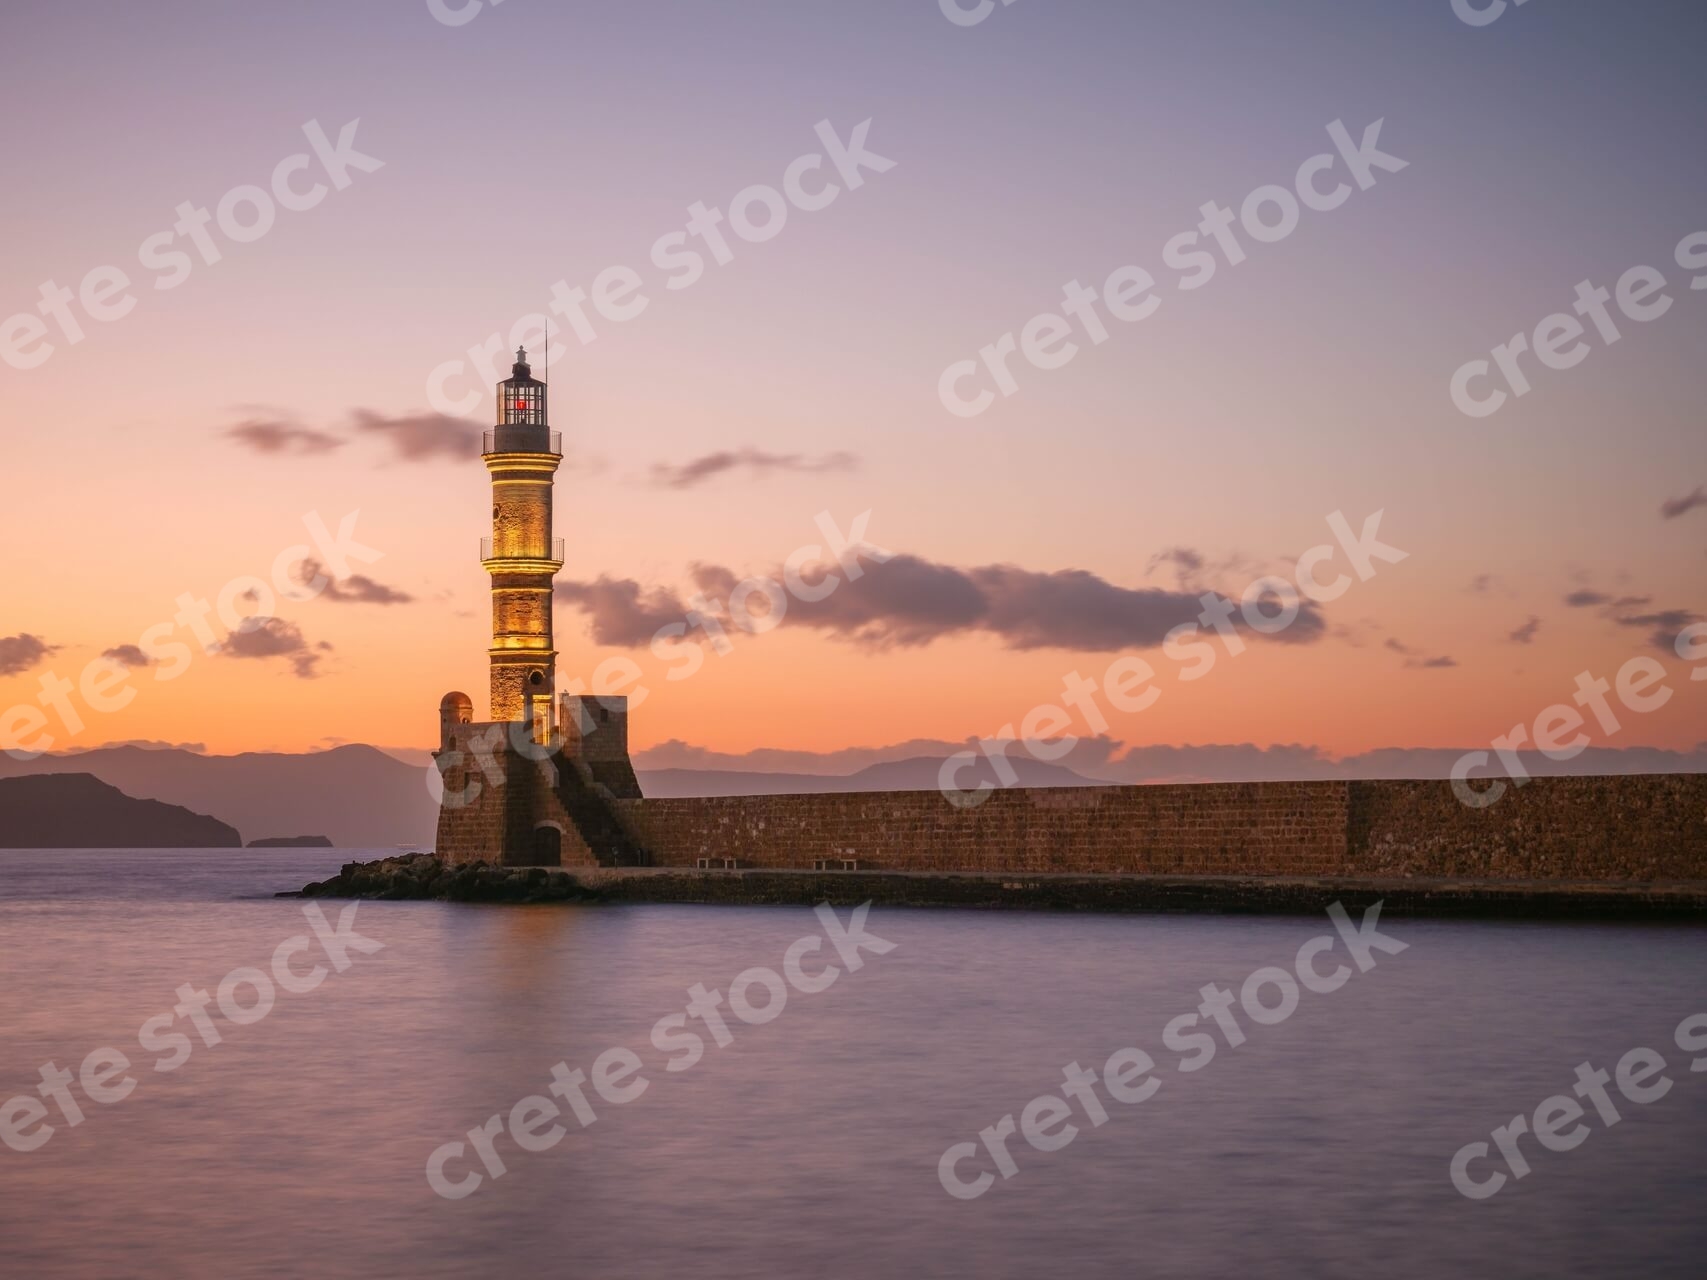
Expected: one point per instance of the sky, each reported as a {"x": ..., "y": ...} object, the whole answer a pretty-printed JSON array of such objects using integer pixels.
[{"x": 178, "y": 447}]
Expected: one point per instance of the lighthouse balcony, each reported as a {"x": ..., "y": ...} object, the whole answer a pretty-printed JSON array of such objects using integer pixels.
[
  {"x": 521, "y": 437},
  {"x": 522, "y": 553}
]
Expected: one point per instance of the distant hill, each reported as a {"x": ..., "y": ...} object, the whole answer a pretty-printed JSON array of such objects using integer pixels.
[
  {"x": 79, "y": 811},
  {"x": 920, "y": 773},
  {"x": 357, "y": 796},
  {"x": 292, "y": 842}
]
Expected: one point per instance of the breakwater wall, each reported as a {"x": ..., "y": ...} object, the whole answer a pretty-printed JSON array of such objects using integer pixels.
[{"x": 1623, "y": 829}]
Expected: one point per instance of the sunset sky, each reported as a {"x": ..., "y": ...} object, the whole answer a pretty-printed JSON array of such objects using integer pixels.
[{"x": 179, "y": 446}]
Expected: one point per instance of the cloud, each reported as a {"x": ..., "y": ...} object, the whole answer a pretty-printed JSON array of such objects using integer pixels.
[
  {"x": 128, "y": 655},
  {"x": 1184, "y": 558},
  {"x": 275, "y": 638},
  {"x": 1672, "y": 508},
  {"x": 1357, "y": 633},
  {"x": 909, "y": 601},
  {"x": 623, "y": 615},
  {"x": 1666, "y": 624},
  {"x": 1186, "y": 563},
  {"x": 21, "y": 652},
  {"x": 275, "y": 435},
  {"x": 1074, "y": 609},
  {"x": 756, "y": 461},
  {"x": 356, "y": 589},
  {"x": 421, "y": 437},
  {"x": 1663, "y": 625},
  {"x": 424, "y": 437},
  {"x": 1526, "y": 633},
  {"x": 1615, "y": 608},
  {"x": 1416, "y": 660},
  {"x": 1490, "y": 584}
]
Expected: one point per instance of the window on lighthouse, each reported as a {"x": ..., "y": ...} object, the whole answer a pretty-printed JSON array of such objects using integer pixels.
[{"x": 523, "y": 404}]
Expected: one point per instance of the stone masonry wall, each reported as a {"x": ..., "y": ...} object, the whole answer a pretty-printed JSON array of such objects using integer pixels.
[
  {"x": 483, "y": 820},
  {"x": 1636, "y": 827},
  {"x": 1283, "y": 828},
  {"x": 1648, "y": 827},
  {"x": 595, "y": 731}
]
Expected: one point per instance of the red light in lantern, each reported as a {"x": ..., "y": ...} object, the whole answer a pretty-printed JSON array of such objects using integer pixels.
[{"x": 521, "y": 404}]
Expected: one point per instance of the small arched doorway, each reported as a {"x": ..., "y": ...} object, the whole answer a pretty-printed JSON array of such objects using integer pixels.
[{"x": 547, "y": 847}]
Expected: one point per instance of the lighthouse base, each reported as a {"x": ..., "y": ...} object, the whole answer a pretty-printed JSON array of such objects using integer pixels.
[{"x": 515, "y": 802}]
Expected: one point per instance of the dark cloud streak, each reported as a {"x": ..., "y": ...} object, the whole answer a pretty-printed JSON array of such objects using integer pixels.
[
  {"x": 1416, "y": 661},
  {"x": 261, "y": 638},
  {"x": 423, "y": 437},
  {"x": 1526, "y": 633},
  {"x": 1672, "y": 508},
  {"x": 269, "y": 435},
  {"x": 908, "y": 601},
  {"x": 623, "y": 615},
  {"x": 699, "y": 470},
  {"x": 127, "y": 655},
  {"x": 21, "y": 652},
  {"x": 356, "y": 589}
]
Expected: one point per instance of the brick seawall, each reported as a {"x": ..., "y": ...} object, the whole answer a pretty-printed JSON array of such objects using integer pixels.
[{"x": 1626, "y": 829}]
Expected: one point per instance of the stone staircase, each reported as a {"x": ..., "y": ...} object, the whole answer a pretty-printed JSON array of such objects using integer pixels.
[{"x": 596, "y": 821}]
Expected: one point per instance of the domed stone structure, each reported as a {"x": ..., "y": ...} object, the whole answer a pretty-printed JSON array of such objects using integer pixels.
[{"x": 454, "y": 709}]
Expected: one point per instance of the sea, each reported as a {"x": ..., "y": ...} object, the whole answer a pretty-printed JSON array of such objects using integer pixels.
[{"x": 294, "y": 1137}]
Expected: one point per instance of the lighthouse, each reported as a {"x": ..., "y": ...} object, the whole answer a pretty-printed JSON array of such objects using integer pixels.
[
  {"x": 542, "y": 781},
  {"x": 522, "y": 453}
]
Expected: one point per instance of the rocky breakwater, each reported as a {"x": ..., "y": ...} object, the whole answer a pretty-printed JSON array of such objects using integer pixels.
[{"x": 423, "y": 877}]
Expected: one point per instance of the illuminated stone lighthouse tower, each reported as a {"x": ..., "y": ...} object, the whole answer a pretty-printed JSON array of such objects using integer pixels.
[
  {"x": 539, "y": 784},
  {"x": 522, "y": 453}
]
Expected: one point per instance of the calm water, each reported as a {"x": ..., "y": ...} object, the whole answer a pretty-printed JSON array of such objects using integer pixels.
[{"x": 810, "y": 1146}]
